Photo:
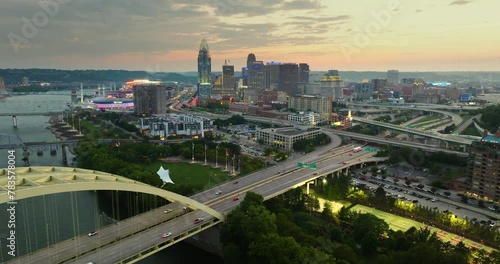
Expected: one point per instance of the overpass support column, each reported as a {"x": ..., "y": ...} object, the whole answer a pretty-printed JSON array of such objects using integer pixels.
[{"x": 307, "y": 188}]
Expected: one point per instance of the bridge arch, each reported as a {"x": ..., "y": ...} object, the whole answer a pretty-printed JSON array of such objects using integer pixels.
[{"x": 37, "y": 181}]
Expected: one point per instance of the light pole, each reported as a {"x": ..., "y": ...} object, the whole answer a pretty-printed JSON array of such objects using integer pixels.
[
  {"x": 234, "y": 172},
  {"x": 192, "y": 152},
  {"x": 226, "y": 160},
  {"x": 79, "y": 126},
  {"x": 217, "y": 156},
  {"x": 205, "y": 153}
]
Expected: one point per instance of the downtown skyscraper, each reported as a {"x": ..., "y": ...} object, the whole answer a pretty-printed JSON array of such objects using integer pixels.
[{"x": 204, "y": 72}]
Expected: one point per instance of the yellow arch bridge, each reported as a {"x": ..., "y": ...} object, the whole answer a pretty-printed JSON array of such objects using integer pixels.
[{"x": 38, "y": 181}]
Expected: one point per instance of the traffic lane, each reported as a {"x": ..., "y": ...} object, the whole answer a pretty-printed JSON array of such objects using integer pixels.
[
  {"x": 83, "y": 243},
  {"x": 144, "y": 240},
  {"x": 248, "y": 180}
]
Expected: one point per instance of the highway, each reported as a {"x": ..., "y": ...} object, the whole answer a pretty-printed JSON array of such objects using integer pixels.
[
  {"x": 444, "y": 137},
  {"x": 272, "y": 185},
  {"x": 66, "y": 249},
  {"x": 393, "y": 142}
]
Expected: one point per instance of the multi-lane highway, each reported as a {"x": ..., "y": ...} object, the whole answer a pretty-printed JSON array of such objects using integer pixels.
[
  {"x": 67, "y": 249},
  {"x": 268, "y": 183},
  {"x": 444, "y": 137}
]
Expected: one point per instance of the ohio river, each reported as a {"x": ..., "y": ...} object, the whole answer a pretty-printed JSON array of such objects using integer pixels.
[{"x": 46, "y": 220}]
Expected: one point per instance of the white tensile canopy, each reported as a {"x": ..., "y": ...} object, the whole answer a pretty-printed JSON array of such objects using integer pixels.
[{"x": 164, "y": 175}]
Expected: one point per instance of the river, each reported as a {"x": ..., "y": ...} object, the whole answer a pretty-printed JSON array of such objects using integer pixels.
[{"x": 46, "y": 220}]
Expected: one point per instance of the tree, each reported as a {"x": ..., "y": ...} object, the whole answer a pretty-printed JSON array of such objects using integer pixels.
[
  {"x": 365, "y": 223},
  {"x": 231, "y": 253},
  {"x": 274, "y": 249},
  {"x": 480, "y": 203},
  {"x": 464, "y": 198},
  {"x": 447, "y": 193},
  {"x": 346, "y": 253}
]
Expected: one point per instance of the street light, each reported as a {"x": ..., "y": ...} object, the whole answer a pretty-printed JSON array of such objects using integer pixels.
[{"x": 217, "y": 156}]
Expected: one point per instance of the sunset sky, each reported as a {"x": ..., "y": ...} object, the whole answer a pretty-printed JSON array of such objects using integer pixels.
[{"x": 164, "y": 35}]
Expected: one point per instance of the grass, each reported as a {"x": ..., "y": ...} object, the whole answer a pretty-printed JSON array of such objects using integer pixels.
[
  {"x": 425, "y": 120},
  {"x": 192, "y": 174},
  {"x": 400, "y": 223},
  {"x": 471, "y": 131},
  {"x": 88, "y": 126}
]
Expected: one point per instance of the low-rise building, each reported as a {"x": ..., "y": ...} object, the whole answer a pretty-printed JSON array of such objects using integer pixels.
[
  {"x": 177, "y": 125},
  {"x": 285, "y": 137},
  {"x": 309, "y": 118}
]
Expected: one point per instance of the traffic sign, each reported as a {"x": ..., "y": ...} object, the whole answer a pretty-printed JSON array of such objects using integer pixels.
[{"x": 312, "y": 166}]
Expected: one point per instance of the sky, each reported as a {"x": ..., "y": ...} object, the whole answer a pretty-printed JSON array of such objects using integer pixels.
[{"x": 164, "y": 35}]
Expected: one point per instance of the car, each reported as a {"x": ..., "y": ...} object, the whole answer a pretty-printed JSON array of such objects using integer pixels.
[
  {"x": 434, "y": 200},
  {"x": 198, "y": 220},
  {"x": 350, "y": 154},
  {"x": 235, "y": 182},
  {"x": 93, "y": 233},
  {"x": 167, "y": 211},
  {"x": 344, "y": 162},
  {"x": 315, "y": 173},
  {"x": 218, "y": 192},
  {"x": 165, "y": 235},
  {"x": 236, "y": 198},
  {"x": 491, "y": 208}
]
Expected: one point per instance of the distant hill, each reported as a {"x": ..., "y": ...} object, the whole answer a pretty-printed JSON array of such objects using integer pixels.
[
  {"x": 426, "y": 76},
  {"x": 13, "y": 76}
]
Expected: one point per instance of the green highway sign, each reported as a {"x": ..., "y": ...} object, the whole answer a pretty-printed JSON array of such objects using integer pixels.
[
  {"x": 312, "y": 166},
  {"x": 299, "y": 164}
]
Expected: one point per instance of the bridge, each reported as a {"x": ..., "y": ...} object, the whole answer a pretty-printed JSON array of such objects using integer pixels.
[
  {"x": 132, "y": 244},
  {"x": 441, "y": 137},
  {"x": 44, "y": 113},
  {"x": 11, "y": 140},
  {"x": 392, "y": 142}
]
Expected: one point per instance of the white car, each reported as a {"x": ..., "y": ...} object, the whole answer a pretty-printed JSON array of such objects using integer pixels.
[
  {"x": 434, "y": 200},
  {"x": 218, "y": 192},
  {"x": 167, "y": 211},
  {"x": 491, "y": 208}
]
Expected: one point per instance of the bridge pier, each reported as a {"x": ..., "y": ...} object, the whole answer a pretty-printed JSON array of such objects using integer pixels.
[{"x": 14, "y": 121}]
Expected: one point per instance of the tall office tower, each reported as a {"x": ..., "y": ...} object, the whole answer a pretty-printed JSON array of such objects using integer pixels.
[
  {"x": 393, "y": 76},
  {"x": 244, "y": 70},
  {"x": 483, "y": 177},
  {"x": 272, "y": 75},
  {"x": 204, "y": 63},
  {"x": 204, "y": 73},
  {"x": 244, "y": 76},
  {"x": 256, "y": 76},
  {"x": 228, "y": 80},
  {"x": 250, "y": 59},
  {"x": 331, "y": 84},
  {"x": 303, "y": 73},
  {"x": 379, "y": 84},
  {"x": 150, "y": 99},
  {"x": 289, "y": 75}
]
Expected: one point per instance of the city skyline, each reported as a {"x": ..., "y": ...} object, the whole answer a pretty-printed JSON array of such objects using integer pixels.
[{"x": 163, "y": 36}]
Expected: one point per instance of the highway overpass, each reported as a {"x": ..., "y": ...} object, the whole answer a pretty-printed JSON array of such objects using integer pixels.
[
  {"x": 268, "y": 182},
  {"x": 398, "y": 143},
  {"x": 441, "y": 137}
]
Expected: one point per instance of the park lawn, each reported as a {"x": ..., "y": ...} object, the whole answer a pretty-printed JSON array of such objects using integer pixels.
[
  {"x": 400, "y": 223},
  {"x": 192, "y": 174},
  {"x": 88, "y": 126}
]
